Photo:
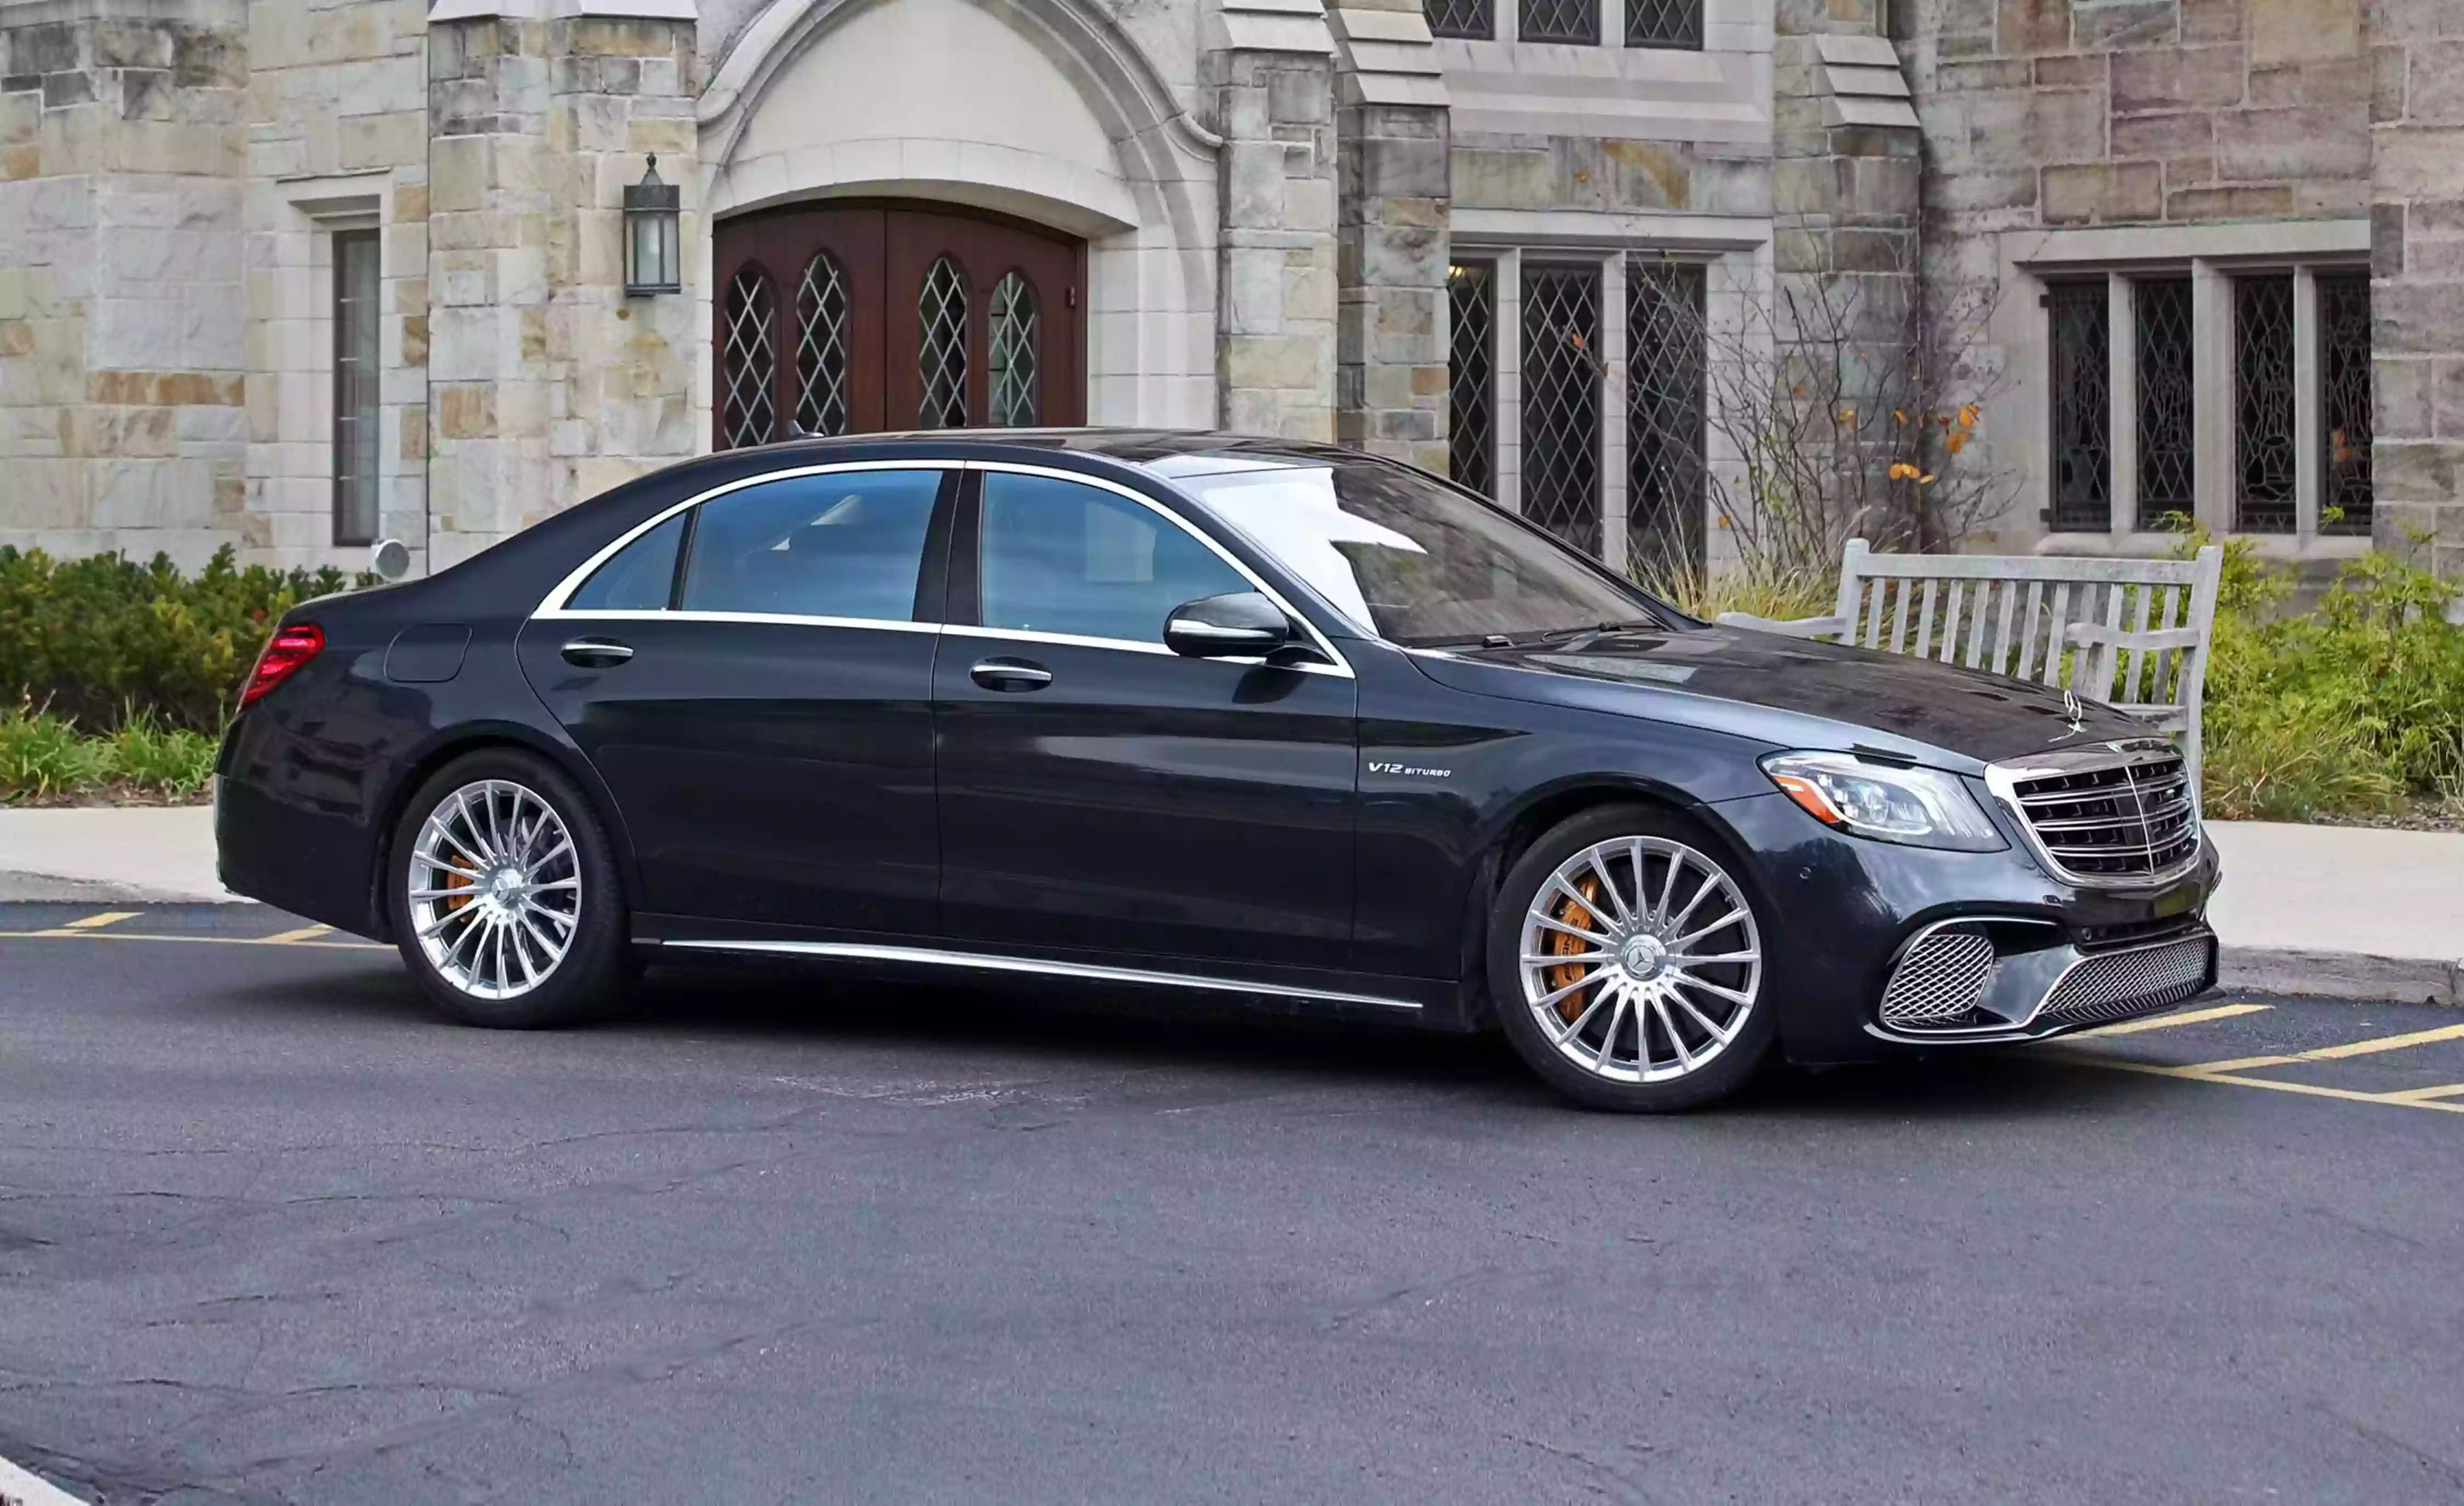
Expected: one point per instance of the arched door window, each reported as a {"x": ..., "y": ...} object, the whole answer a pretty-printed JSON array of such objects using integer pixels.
[
  {"x": 1014, "y": 352},
  {"x": 749, "y": 362},
  {"x": 941, "y": 356},
  {"x": 822, "y": 347}
]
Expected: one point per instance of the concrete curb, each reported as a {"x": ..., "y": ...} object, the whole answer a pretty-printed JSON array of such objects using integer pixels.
[
  {"x": 19, "y": 1488},
  {"x": 2342, "y": 975},
  {"x": 19, "y": 888}
]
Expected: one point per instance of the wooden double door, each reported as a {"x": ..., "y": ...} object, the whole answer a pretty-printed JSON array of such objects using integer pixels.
[{"x": 854, "y": 319}]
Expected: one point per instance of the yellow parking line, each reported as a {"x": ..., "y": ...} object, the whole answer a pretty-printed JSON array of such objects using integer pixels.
[
  {"x": 2369, "y": 1048},
  {"x": 2452, "y": 1089},
  {"x": 216, "y": 941},
  {"x": 2166, "y": 1022},
  {"x": 306, "y": 932},
  {"x": 2399, "y": 1100}
]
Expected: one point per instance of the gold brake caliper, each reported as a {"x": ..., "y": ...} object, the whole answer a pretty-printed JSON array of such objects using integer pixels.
[{"x": 1560, "y": 945}]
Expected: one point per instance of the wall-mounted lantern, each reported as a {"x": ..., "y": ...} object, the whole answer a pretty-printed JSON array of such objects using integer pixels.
[{"x": 653, "y": 212}]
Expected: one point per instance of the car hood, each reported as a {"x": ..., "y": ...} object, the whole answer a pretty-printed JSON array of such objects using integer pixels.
[{"x": 1908, "y": 700}]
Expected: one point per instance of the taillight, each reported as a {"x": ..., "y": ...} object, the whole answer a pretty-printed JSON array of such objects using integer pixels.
[{"x": 283, "y": 654}]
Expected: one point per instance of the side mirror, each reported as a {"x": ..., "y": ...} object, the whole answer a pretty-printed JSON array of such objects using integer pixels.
[{"x": 1232, "y": 626}]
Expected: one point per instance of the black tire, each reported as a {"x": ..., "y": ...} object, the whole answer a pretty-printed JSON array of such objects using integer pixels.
[
  {"x": 1720, "y": 1072},
  {"x": 595, "y": 971}
]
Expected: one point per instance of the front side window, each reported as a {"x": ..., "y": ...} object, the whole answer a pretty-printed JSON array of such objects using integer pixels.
[
  {"x": 1413, "y": 560},
  {"x": 355, "y": 387},
  {"x": 840, "y": 545},
  {"x": 1063, "y": 557}
]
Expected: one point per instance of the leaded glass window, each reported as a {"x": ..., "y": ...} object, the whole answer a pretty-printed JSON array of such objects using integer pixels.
[
  {"x": 2160, "y": 308},
  {"x": 2082, "y": 393},
  {"x": 2344, "y": 402},
  {"x": 1561, "y": 402},
  {"x": 1666, "y": 416},
  {"x": 942, "y": 355},
  {"x": 1014, "y": 350},
  {"x": 1473, "y": 18},
  {"x": 1471, "y": 374},
  {"x": 1664, "y": 23},
  {"x": 822, "y": 347},
  {"x": 2263, "y": 441},
  {"x": 1560, "y": 21},
  {"x": 748, "y": 360}
]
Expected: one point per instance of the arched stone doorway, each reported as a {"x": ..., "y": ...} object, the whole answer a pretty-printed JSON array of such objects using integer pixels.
[{"x": 852, "y": 317}]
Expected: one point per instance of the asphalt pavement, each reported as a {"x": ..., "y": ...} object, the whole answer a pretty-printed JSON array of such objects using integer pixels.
[{"x": 268, "y": 1232}]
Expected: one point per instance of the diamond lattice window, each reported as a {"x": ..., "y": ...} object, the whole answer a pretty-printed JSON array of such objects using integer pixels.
[
  {"x": 1664, "y": 23},
  {"x": 1473, "y": 18},
  {"x": 2168, "y": 397},
  {"x": 942, "y": 355},
  {"x": 1666, "y": 416},
  {"x": 1471, "y": 374},
  {"x": 1014, "y": 352},
  {"x": 748, "y": 358},
  {"x": 1561, "y": 402},
  {"x": 822, "y": 348},
  {"x": 2263, "y": 441},
  {"x": 2082, "y": 393},
  {"x": 2344, "y": 402},
  {"x": 1560, "y": 21}
]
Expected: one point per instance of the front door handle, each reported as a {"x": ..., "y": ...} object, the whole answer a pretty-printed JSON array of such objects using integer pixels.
[
  {"x": 597, "y": 653},
  {"x": 1010, "y": 674}
]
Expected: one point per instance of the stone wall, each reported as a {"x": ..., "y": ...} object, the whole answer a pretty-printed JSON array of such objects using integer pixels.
[
  {"x": 1276, "y": 357},
  {"x": 1391, "y": 132},
  {"x": 121, "y": 341}
]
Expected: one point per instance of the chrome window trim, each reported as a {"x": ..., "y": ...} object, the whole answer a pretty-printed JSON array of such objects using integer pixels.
[
  {"x": 853, "y": 951},
  {"x": 2003, "y": 780},
  {"x": 1072, "y": 640},
  {"x": 1336, "y": 663},
  {"x": 551, "y": 607}
]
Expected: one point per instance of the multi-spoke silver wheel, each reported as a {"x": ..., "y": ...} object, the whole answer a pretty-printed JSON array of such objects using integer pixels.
[
  {"x": 1640, "y": 959},
  {"x": 495, "y": 888}
]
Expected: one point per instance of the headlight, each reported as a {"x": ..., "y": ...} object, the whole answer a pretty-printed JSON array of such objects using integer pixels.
[{"x": 1919, "y": 806}]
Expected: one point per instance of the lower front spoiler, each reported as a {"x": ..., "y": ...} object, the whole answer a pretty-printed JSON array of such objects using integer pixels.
[{"x": 2035, "y": 992}]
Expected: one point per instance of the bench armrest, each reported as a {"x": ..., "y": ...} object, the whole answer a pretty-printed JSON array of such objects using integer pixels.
[
  {"x": 2084, "y": 634},
  {"x": 1797, "y": 628}
]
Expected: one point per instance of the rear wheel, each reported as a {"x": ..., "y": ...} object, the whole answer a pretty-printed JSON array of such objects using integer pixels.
[
  {"x": 504, "y": 896},
  {"x": 1626, "y": 962}
]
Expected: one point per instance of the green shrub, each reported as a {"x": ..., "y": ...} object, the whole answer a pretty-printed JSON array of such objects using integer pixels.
[
  {"x": 89, "y": 639},
  {"x": 43, "y": 755}
]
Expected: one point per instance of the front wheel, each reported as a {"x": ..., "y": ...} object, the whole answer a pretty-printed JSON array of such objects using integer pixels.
[
  {"x": 504, "y": 896},
  {"x": 1626, "y": 962}
]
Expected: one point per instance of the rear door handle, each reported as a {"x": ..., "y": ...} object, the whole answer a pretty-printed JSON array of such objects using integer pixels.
[
  {"x": 597, "y": 653},
  {"x": 1010, "y": 674}
]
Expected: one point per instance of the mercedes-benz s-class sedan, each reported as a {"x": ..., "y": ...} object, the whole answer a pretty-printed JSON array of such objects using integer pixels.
[{"x": 1193, "y": 714}]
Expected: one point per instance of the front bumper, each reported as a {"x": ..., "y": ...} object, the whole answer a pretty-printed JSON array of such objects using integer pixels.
[{"x": 1852, "y": 913}]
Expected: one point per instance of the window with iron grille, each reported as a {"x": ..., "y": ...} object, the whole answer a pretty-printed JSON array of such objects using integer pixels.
[
  {"x": 355, "y": 387},
  {"x": 1471, "y": 374},
  {"x": 1475, "y": 19},
  {"x": 1561, "y": 401},
  {"x": 2264, "y": 465},
  {"x": 2160, "y": 308},
  {"x": 1015, "y": 348},
  {"x": 1559, "y": 21},
  {"x": 1664, "y": 23},
  {"x": 748, "y": 362},
  {"x": 2344, "y": 496},
  {"x": 942, "y": 352},
  {"x": 1666, "y": 416},
  {"x": 822, "y": 347},
  {"x": 2083, "y": 398}
]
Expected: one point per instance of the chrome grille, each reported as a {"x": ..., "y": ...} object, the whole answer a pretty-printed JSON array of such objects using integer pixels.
[
  {"x": 2112, "y": 985},
  {"x": 1939, "y": 982},
  {"x": 2129, "y": 815}
]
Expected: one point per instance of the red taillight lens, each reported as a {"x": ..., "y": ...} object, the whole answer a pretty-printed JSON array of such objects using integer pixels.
[{"x": 284, "y": 652}]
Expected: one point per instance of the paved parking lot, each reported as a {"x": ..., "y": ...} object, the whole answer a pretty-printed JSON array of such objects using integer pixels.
[{"x": 267, "y": 1232}]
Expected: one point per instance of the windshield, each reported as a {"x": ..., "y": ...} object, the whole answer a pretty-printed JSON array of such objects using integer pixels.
[{"x": 1405, "y": 558}]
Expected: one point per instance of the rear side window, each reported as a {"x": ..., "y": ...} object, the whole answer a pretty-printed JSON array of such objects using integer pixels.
[
  {"x": 1059, "y": 557},
  {"x": 639, "y": 578},
  {"x": 849, "y": 545}
]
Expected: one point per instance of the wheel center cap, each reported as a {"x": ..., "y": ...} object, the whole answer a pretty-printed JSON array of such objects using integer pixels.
[
  {"x": 505, "y": 885},
  {"x": 1642, "y": 956}
]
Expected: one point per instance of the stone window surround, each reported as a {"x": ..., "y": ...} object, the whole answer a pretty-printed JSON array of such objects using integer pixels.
[
  {"x": 2212, "y": 255},
  {"x": 326, "y": 206},
  {"x": 1735, "y": 250}
]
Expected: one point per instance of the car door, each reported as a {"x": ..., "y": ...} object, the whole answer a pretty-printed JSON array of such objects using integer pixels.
[
  {"x": 1100, "y": 793},
  {"x": 752, "y": 676}
]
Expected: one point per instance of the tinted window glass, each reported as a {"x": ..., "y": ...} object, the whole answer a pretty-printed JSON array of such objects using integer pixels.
[
  {"x": 640, "y": 576},
  {"x": 845, "y": 545},
  {"x": 1059, "y": 557}
]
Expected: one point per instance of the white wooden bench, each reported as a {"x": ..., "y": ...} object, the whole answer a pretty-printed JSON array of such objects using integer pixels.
[{"x": 2136, "y": 630}]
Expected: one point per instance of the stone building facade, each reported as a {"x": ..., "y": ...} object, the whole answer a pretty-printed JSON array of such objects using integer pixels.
[{"x": 297, "y": 275}]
